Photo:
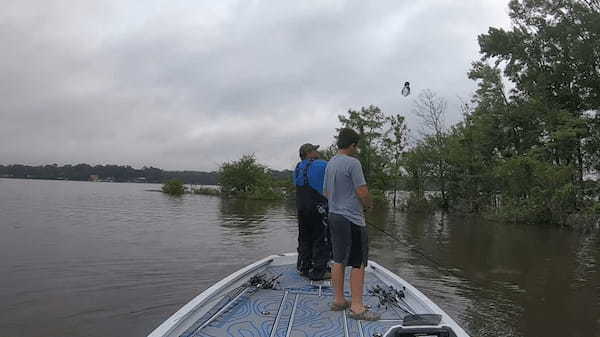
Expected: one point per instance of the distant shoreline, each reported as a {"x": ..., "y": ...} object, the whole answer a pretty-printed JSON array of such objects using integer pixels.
[
  {"x": 79, "y": 180},
  {"x": 100, "y": 181},
  {"x": 113, "y": 173}
]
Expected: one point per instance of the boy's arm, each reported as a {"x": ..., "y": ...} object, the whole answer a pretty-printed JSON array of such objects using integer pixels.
[
  {"x": 326, "y": 193},
  {"x": 360, "y": 185},
  {"x": 365, "y": 197}
]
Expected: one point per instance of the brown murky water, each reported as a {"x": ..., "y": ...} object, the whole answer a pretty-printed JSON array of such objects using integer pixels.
[{"x": 106, "y": 259}]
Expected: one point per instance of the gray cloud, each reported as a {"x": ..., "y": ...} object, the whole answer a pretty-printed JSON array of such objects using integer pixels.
[{"x": 188, "y": 85}]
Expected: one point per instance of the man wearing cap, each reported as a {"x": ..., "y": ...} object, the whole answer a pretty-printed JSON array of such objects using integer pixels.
[{"x": 311, "y": 205}]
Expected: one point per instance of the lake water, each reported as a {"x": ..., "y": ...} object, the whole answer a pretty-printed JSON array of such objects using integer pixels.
[{"x": 110, "y": 259}]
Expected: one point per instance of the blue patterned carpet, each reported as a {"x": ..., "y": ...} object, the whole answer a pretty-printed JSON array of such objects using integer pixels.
[{"x": 299, "y": 307}]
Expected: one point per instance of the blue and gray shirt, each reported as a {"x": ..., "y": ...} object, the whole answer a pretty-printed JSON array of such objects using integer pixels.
[
  {"x": 315, "y": 173},
  {"x": 308, "y": 178},
  {"x": 343, "y": 176}
]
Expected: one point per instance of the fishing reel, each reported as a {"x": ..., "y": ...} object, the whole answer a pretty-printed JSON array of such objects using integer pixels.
[{"x": 322, "y": 209}]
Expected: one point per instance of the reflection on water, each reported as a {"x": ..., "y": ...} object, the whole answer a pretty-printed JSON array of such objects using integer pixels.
[
  {"x": 102, "y": 259},
  {"x": 244, "y": 215},
  {"x": 256, "y": 222},
  {"x": 503, "y": 280}
]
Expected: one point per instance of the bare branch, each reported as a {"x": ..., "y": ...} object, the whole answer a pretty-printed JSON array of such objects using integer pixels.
[
  {"x": 431, "y": 109},
  {"x": 592, "y": 4}
]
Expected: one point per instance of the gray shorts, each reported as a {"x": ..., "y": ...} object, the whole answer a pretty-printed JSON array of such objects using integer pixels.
[{"x": 349, "y": 242}]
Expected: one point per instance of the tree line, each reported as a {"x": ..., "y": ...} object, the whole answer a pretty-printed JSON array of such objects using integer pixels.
[
  {"x": 116, "y": 173},
  {"x": 522, "y": 154}
]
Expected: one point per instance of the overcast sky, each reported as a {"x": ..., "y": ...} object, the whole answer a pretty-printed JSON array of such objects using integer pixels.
[{"x": 190, "y": 84}]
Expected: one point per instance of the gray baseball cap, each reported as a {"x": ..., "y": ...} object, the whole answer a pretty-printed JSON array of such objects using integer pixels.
[{"x": 307, "y": 148}]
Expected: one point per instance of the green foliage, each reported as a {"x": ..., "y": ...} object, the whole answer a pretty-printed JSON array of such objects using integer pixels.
[
  {"x": 382, "y": 142},
  {"x": 329, "y": 152},
  {"x": 379, "y": 198},
  {"x": 112, "y": 173},
  {"x": 174, "y": 187},
  {"x": 523, "y": 155},
  {"x": 393, "y": 144},
  {"x": 285, "y": 186},
  {"x": 241, "y": 176},
  {"x": 535, "y": 191},
  {"x": 263, "y": 192},
  {"x": 551, "y": 52},
  {"x": 369, "y": 123},
  {"x": 418, "y": 167},
  {"x": 248, "y": 179},
  {"x": 551, "y": 55},
  {"x": 432, "y": 109},
  {"x": 471, "y": 182},
  {"x": 591, "y": 145}
]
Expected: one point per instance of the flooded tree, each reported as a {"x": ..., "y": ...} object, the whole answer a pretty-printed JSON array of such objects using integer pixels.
[
  {"x": 524, "y": 153},
  {"x": 382, "y": 142},
  {"x": 247, "y": 178},
  {"x": 174, "y": 187}
]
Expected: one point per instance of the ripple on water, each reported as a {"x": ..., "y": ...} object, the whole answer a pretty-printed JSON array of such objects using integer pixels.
[{"x": 101, "y": 259}]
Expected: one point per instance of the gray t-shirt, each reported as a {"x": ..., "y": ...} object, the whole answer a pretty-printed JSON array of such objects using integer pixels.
[{"x": 343, "y": 176}]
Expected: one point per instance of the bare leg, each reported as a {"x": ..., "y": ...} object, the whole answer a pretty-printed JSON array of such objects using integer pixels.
[
  {"x": 337, "y": 278},
  {"x": 357, "y": 282}
]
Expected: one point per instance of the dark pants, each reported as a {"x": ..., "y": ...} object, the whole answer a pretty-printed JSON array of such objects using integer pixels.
[{"x": 314, "y": 249}]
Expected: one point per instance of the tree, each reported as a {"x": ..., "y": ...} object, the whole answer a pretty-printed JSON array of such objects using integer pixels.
[
  {"x": 526, "y": 152},
  {"x": 393, "y": 144},
  {"x": 418, "y": 167},
  {"x": 382, "y": 142},
  {"x": 431, "y": 109},
  {"x": 368, "y": 122},
  {"x": 535, "y": 191},
  {"x": 592, "y": 143},
  {"x": 551, "y": 55},
  {"x": 329, "y": 152},
  {"x": 174, "y": 187},
  {"x": 247, "y": 178}
]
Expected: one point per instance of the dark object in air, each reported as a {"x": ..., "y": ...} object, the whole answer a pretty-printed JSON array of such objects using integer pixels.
[{"x": 406, "y": 89}]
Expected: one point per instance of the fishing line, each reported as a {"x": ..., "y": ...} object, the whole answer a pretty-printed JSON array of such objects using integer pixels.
[
  {"x": 484, "y": 283},
  {"x": 435, "y": 262},
  {"x": 411, "y": 247}
]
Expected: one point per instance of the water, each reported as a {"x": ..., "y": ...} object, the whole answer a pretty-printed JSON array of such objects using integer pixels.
[{"x": 108, "y": 259}]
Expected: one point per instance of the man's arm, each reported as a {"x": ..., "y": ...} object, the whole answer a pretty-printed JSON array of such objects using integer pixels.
[{"x": 364, "y": 196}]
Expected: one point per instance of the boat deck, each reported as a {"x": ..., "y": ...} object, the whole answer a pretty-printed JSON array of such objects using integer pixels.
[{"x": 297, "y": 307}]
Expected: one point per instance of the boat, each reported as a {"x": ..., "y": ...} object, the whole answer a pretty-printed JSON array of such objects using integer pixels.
[{"x": 270, "y": 299}]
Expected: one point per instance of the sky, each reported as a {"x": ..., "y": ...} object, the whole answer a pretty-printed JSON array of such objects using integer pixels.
[{"x": 192, "y": 84}]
